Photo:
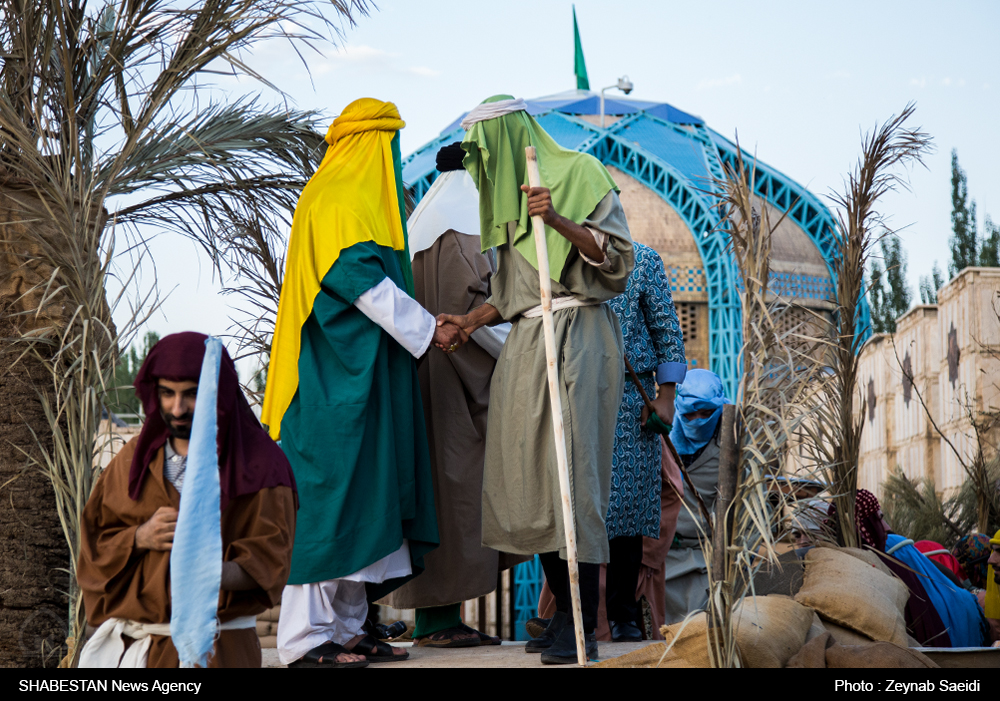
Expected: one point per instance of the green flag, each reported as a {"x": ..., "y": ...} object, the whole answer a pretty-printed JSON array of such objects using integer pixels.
[{"x": 579, "y": 66}]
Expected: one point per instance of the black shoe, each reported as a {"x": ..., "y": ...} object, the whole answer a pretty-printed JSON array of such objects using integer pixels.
[
  {"x": 563, "y": 650},
  {"x": 625, "y": 632},
  {"x": 556, "y": 625},
  {"x": 536, "y": 626}
]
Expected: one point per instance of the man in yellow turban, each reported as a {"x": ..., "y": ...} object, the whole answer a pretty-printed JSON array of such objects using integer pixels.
[
  {"x": 343, "y": 395},
  {"x": 993, "y": 590}
]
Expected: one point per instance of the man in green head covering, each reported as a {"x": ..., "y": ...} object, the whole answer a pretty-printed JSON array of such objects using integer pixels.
[{"x": 590, "y": 258}]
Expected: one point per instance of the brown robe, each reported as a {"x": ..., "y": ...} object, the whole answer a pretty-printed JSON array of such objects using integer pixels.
[
  {"x": 118, "y": 581},
  {"x": 453, "y": 277}
]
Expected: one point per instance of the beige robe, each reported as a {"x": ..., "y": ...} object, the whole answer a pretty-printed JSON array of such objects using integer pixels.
[
  {"x": 453, "y": 277},
  {"x": 120, "y": 581},
  {"x": 522, "y": 511},
  {"x": 686, "y": 576}
]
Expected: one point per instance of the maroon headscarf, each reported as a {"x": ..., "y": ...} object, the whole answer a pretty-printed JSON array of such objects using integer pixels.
[
  {"x": 248, "y": 459},
  {"x": 922, "y": 620}
]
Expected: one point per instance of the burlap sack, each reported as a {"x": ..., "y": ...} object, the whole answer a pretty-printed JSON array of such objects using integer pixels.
[
  {"x": 824, "y": 652},
  {"x": 817, "y": 628},
  {"x": 770, "y": 629},
  {"x": 846, "y": 636},
  {"x": 847, "y": 590},
  {"x": 648, "y": 657},
  {"x": 690, "y": 640},
  {"x": 870, "y": 557}
]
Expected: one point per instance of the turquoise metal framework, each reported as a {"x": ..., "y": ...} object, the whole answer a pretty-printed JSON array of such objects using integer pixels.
[
  {"x": 528, "y": 579},
  {"x": 682, "y": 164}
]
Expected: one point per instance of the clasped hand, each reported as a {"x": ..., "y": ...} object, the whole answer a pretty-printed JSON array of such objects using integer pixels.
[{"x": 449, "y": 336}]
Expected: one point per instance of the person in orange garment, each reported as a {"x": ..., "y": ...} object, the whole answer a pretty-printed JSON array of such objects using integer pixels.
[{"x": 127, "y": 526}]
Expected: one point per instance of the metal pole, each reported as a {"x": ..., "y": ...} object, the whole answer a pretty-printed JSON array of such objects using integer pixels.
[
  {"x": 602, "y": 107},
  {"x": 562, "y": 465}
]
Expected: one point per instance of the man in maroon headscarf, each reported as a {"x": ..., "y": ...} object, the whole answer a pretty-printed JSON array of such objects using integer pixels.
[{"x": 128, "y": 524}]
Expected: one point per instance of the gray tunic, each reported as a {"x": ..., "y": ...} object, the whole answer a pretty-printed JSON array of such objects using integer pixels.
[
  {"x": 522, "y": 510},
  {"x": 686, "y": 575}
]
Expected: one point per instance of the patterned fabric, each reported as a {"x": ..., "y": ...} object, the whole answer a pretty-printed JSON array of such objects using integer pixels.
[
  {"x": 867, "y": 519},
  {"x": 972, "y": 552},
  {"x": 649, "y": 320},
  {"x": 652, "y": 339}
]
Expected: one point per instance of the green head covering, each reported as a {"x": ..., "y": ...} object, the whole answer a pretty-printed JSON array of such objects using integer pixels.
[{"x": 495, "y": 159}]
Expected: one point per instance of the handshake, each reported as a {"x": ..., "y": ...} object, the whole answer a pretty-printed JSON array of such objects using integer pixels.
[{"x": 449, "y": 335}]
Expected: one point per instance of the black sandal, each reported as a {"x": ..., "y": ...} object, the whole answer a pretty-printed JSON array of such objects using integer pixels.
[
  {"x": 383, "y": 651},
  {"x": 326, "y": 656}
]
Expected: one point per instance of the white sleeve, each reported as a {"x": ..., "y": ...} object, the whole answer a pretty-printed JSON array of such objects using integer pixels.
[
  {"x": 601, "y": 239},
  {"x": 399, "y": 315}
]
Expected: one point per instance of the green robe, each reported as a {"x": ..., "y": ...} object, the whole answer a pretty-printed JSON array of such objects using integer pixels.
[{"x": 355, "y": 434}]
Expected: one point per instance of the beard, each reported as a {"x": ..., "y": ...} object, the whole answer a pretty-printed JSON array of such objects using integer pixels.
[{"x": 176, "y": 430}]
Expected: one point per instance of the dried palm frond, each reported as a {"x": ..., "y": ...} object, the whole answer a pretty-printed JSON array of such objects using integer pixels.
[
  {"x": 103, "y": 110},
  {"x": 835, "y": 436},
  {"x": 773, "y": 399}
]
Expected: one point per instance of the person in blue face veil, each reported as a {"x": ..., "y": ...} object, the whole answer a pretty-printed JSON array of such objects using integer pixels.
[
  {"x": 695, "y": 434},
  {"x": 697, "y": 410}
]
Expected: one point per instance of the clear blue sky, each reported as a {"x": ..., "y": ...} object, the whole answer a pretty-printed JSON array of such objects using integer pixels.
[{"x": 798, "y": 81}]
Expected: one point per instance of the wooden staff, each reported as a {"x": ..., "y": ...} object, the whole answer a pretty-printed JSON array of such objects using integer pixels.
[
  {"x": 545, "y": 282},
  {"x": 673, "y": 451}
]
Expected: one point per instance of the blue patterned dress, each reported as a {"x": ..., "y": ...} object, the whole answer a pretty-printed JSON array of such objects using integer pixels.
[{"x": 655, "y": 348}]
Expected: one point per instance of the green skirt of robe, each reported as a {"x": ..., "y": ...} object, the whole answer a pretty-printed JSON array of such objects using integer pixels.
[{"x": 355, "y": 434}]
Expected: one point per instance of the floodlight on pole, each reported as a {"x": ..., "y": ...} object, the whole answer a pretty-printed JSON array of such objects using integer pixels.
[{"x": 623, "y": 84}]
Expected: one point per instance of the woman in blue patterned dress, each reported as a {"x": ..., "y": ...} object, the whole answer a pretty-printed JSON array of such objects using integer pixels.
[{"x": 655, "y": 348}]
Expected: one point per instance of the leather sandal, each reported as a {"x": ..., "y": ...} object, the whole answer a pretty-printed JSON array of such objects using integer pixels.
[
  {"x": 483, "y": 638},
  {"x": 326, "y": 656},
  {"x": 444, "y": 638},
  {"x": 383, "y": 651}
]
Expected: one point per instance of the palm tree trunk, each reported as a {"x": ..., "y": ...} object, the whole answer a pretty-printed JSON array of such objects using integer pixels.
[{"x": 34, "y": 556}]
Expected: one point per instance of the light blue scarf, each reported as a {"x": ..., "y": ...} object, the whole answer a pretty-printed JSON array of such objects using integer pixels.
[
  {"x": 196, "y": 556},
  {"x": 702, "y": 389}
]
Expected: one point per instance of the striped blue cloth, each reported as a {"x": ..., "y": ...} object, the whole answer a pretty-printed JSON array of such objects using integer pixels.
[{"x": 196, "y": 556}]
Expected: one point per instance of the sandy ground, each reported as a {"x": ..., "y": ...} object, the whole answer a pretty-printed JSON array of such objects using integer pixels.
[{"x": 510, "y": 654}]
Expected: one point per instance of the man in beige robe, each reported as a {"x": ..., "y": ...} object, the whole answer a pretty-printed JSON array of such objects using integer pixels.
[{"x": 591, "y": 256}]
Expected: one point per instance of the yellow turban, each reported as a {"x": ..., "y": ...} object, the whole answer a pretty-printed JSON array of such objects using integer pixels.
[
  {"x": 992, "y": 588},
  {"x": 352, "y": 198}
]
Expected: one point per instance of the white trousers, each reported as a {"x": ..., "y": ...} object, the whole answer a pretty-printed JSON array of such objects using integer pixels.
[{"x": 334, "y": 610}]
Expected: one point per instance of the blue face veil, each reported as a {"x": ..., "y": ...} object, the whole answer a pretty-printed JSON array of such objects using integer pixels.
[{"x": 701, "y": 390}]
